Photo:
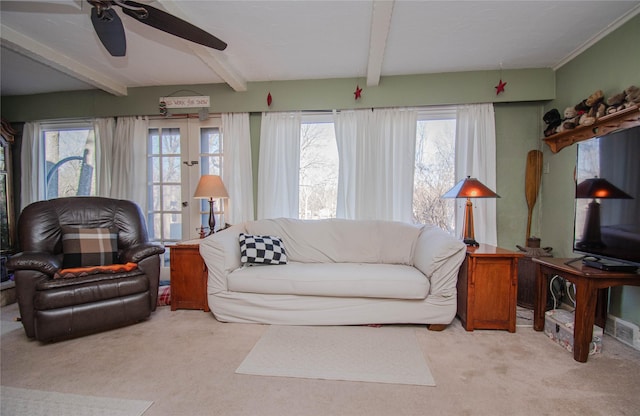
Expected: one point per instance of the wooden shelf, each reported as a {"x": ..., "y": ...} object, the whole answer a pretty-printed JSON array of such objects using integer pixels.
[{"x": 629, "y": 117}]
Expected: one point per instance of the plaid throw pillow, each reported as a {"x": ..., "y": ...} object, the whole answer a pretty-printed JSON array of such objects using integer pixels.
[
  {"x": 89, "y": 246},
  {"x": 261, "y": 249}
]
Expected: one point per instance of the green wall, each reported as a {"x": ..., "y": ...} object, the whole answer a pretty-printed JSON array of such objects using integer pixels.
[
  {"x": 517, "y": 132},
  {"x": 327, "y": 94},
  {"x": 611, "y": 65}
]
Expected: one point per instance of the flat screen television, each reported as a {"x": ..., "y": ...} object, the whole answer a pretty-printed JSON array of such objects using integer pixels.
[{"x": 610, "y": 229}]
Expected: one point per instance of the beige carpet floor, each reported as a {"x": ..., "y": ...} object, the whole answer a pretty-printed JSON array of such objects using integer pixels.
[
  {"x": 185, "y": 362},
  {"x": 27, "y": 402}
]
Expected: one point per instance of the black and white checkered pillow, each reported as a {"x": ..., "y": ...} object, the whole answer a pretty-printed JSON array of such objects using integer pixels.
[{"x": 261, "y": 249}]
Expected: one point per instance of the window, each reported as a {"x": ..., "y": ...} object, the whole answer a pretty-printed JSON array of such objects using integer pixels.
[
  {"x": 210, "y": 164},
  {"x": 318, "y": 186},
  {"x": 69, "y": 153},
  {"x": 434, "y": 170}
]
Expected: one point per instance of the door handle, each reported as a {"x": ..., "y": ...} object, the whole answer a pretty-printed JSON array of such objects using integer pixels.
[
  {"x": 185, "y": 203},
  {"x": 190, "y": 163}
]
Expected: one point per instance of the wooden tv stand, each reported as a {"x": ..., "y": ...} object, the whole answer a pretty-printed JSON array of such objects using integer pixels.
[{"x": 589, "y": 282}]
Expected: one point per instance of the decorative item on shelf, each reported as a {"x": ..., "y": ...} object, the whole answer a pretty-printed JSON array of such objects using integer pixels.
[
  {"x": 588, "y": 112},
  {"x": 358, "y": 92},
  {"x": 591, "y": 189},
  {"x": 552, "y": 119},
  {"x": 469, "y": 188},
  {"x": 628, "y": 98},
  {"x": 622, "y": 119},
  {"x": 211, "y": 187}
]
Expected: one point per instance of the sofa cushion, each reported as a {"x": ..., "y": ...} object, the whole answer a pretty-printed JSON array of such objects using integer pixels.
[
  {"x": 261, "y": 249},
  {"x": 332, "y": 279},
  {"x": 89, "y": 246},
  {"x": 342, "y": 241},
  {"x": 83, "y": 291}
]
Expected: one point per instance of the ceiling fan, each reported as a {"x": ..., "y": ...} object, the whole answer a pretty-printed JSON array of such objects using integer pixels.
[{"x": 110, "y": 30}]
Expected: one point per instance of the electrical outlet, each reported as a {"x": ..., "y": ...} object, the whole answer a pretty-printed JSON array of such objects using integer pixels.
[{"x": 545, "y": 168}]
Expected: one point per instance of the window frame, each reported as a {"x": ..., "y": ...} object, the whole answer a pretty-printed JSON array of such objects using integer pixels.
[{"x": 65, "y": 126}]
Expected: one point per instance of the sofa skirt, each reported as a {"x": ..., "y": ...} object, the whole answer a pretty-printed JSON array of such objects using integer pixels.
[{"x": 323, "y": 310}]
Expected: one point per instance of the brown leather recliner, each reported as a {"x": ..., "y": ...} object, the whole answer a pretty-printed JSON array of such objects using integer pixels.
[{"x": 56, "y": 308}]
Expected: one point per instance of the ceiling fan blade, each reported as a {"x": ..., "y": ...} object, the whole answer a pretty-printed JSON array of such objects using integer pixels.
[
  {"x": 110, "y": 31},
  {"x": 169, "y": 23}
]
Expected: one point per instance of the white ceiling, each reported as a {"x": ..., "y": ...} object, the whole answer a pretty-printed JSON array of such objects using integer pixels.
[{"x": 50, "y": 45}]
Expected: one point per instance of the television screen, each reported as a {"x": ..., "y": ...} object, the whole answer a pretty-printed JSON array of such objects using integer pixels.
[{"x": 607, "y": 222}]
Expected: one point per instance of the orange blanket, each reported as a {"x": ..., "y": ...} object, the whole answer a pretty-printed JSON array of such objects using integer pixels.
[{"x": 85, "y": 271}]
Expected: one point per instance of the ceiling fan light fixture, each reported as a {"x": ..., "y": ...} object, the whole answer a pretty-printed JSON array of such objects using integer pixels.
[{"x": 140, "y": 12}]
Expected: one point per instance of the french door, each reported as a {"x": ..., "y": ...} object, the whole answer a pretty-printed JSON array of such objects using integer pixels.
[{"x": 179, "y": 152}]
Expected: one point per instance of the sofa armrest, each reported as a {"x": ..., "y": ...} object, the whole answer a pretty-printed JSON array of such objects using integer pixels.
[
  {"x": 26, "y": 283},
  {"x": 140, "y": 252},
  {"x": 221, "y": 254},
  {"x": 45, "y": 263},
  {"x": 439, "y": 256}
]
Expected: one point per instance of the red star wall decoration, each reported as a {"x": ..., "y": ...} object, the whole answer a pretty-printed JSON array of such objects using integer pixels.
[
  {"x": 500, "y": 87},
  {"x": 358, "y": 92}
]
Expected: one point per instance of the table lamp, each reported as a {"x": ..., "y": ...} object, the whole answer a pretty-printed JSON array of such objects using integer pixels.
[
  {"x": 469, "y": 188},
  {"x": 596, "y": 188},
  {"x": 211, "y": 187}
]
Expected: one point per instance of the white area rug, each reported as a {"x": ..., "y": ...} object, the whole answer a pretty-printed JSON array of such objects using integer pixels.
[
  {"x": 25, "y": 402},
  {"x": 382, "y": 355}
]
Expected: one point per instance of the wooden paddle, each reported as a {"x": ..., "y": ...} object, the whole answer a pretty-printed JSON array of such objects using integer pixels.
[{"x": 532, "y": 178}]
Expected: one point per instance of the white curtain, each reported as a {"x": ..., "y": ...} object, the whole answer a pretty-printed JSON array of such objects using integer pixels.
[
  {"x": 476, "y": 157},
  {"x": 377, "y": 153},
  {"x": 33, "y": 178},
  {"x": 350, "y": 128},
  {"x": 279, "y": 165},
  {"x": 237, "y": 174},
  {"x": 129, "y": 180},
  {"x": 104, "y": 129}
]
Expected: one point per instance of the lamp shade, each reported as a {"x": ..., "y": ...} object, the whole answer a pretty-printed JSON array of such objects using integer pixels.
[
  {"x": 470, "y": 188},
  {"x": 600, "y": 188},
  {"x": 210, "y": 187}
]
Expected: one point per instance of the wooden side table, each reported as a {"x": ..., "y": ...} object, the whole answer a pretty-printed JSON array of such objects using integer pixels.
[
  {"x": 488, "y": 288},
  {"x": 188, "y": 278},
  {"x": 589, "y": 283}
]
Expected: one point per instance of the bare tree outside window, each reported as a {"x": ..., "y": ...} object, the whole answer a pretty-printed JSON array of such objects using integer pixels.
[
  {"x": 70, "y": 161},
  {"x": 318, "y": 171},
  {"x": 434, "y": 173}
]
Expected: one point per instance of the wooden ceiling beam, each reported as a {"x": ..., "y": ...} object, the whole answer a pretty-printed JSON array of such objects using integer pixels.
[
  {"x": 380, "y": 26},
  {"x": 50, "y": 57}
]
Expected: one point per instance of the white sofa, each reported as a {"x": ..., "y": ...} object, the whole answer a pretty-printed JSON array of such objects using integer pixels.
[{"x": 339, "y": 272}]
